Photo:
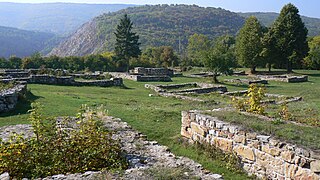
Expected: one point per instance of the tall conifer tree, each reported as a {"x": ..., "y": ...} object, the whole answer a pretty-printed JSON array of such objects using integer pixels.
[{"x": 127, "y": 43}]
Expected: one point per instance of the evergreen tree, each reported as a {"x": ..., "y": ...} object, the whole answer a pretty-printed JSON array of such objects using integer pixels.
[
  {"x": 127, "y": 45},
  {"x": 290, "y": 34},
  {"x": 248, "y": 44}
]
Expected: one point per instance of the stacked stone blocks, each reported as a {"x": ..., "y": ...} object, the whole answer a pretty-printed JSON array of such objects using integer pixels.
[{"x": 262, "y": 155}]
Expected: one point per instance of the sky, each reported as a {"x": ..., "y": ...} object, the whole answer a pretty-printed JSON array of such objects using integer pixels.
[{"x": 306, "y": 7}]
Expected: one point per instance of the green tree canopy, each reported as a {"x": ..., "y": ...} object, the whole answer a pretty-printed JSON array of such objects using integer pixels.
[
  {"x": 312, "y": 61},
  {"x": 127, "y": 45},
  {"x": 290, "y": 34},
  {"x": 248, "y": 44},
  {"x": 221, "y": 58},
  {"x": 197, "y": 43}
]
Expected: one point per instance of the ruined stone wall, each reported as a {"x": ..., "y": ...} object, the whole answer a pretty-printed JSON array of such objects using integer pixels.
[
  {"x": 284, "y": 78},
  {"x": 9, "y": 97},
  {"x": 67, "y": 81},
  {"x": 261, "y": 155},
  {"x": 140, "y": 78},
  {"x": 153, "y": 71}
]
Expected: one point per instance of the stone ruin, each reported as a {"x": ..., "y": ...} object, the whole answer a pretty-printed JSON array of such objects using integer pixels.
[
  {"x": 141, "y": 154},
  {"x": 30, "y": 76},
  {"x": 9, "y": 97},
  {"x": 152, "y": 71},
  {"x": 246, "y": 81},
  {"x": 284, "y": 78},
  {"x": 142, "y": 74},
  {"x": 197, "y": 88},
  {"x": 261, "y": 155}
]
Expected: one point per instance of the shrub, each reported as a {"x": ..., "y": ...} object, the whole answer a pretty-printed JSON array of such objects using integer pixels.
[
  {"x": 58, "y": 150},
  {"x": 253, "y": 103}
]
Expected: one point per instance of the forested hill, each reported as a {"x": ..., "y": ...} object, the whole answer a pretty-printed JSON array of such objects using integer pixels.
[
  {"x": 23, "y": 43},
  {"x": 313, "y": 24},
  {"x": 157, "y": 25},
  {"x": 58, "y": 18}
]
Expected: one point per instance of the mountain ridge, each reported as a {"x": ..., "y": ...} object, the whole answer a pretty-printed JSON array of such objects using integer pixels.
[
  {"x": 48, "y": 17},
  {"x": 157, "y": 25},
  {"x": 23, "y": 43}
]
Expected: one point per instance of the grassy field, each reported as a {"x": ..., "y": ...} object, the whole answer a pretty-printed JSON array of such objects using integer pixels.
[{"x": 158, "y": 117}]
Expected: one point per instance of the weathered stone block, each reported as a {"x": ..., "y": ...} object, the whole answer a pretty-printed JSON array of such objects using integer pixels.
[
  {"x": 240, "y": 139},
  {"x": 224, "y": 144},
  {"x": 263, "y": 138},
  {"x": 315, "y": 166},
  {"x": 287, "y": 155},
  {"x": 233, "y": 129},
  {"x": 270, "y": 150},
  {"x": 302, "y": 152},
  {"x": 244, "y": 152},
  {"x": 198, "y": 129},
  {"x": 254, "y": 144},
  {"x": 252, "y": 136},
  {"x": 186, "y": 132}
]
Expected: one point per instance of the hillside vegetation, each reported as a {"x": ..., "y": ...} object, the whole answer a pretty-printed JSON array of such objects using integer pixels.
[
  {"x": 23, "y": 43},
  {"x": 313, "y": 24},
  {"x": 158, "y": 25}
]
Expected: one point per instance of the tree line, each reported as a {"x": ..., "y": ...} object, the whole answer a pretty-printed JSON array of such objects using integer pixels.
[{"x": 283, "y": 45}]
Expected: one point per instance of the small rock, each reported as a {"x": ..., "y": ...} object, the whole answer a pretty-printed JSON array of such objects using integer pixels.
[{"x": 5, "y": 176}]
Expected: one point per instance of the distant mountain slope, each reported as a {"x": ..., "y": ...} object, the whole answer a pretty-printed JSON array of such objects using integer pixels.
[
  {"x": 313, "y": 24},
  {"x": 157, "y": 25},
  {"x": 60, "y": 18},
  {"x": 23, "y": 43}
]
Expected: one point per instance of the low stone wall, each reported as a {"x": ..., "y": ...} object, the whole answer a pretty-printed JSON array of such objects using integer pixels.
[
  {"x": 9, "y": 97},
  {"x": 153, "y": 71},
  {"x": 285, "y": 78},
  {"x": 140, "y": 78},
  {"x": 262, "y": 155},
  {"x": 67, "y": 81},
  {"x": 246, "y": 81},
  {"x": 48, "y": 79},
  {"x": 201, "y": 88}
]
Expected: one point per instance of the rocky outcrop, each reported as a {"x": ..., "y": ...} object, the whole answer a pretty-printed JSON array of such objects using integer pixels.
[
  {"x": 84, "y": 41},
  {"x": 9, "y": 97},
  {"x": 262, "y": 155}
]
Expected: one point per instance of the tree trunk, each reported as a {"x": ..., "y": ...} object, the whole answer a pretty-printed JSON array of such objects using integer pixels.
[
  {"x": 269, "y": 67},
  {"x": 289, "y": 66},
  {"x": 215, "y": 79},
  {"x": 253, "y": 70}
]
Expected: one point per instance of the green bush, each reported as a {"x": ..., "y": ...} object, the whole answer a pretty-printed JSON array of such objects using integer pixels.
[{"x": 54, "y": 150}]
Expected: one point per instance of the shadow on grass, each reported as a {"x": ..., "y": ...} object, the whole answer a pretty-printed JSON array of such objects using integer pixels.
[
  {"x": 308, "y": 74},
  {"x": 235, "y": 85},
  {"x": 24, "y": 104}
]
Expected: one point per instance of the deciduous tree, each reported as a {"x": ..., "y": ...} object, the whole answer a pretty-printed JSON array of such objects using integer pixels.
[
  {"x": 248, "y": 44},
  {"x": 291, "y": 36},
  {"x": 221, "y": 58}
]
